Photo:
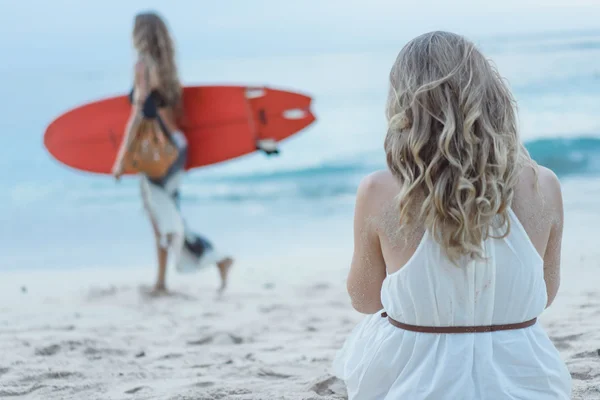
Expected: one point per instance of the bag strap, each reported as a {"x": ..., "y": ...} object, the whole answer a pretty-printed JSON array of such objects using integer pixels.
[{"x": 160, "y": 121}]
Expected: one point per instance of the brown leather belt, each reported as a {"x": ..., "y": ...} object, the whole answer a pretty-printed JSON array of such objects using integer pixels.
[{"x": 458, "y": 329}]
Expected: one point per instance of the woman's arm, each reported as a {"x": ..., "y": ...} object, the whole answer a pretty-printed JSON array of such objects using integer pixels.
[
  {"x": 141, "y": 90},
  {"x": 554, "y": 203},
  {"x": 367, "y": 271}
]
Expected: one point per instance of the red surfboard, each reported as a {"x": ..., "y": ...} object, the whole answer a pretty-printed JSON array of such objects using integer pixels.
[{"x": 220, "y": 122}]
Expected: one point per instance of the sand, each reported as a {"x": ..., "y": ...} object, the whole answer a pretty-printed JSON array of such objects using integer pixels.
[{"x": 95, "y": 334}]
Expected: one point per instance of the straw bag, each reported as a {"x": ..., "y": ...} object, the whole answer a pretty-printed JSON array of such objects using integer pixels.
[{"x": 152, "y": 152}]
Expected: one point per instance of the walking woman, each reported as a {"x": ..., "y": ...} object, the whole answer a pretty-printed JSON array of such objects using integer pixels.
[{"x": 155, "y": 146}]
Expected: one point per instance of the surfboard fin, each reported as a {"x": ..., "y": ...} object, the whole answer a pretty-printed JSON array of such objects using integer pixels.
[{"x": 267, "y": 146}]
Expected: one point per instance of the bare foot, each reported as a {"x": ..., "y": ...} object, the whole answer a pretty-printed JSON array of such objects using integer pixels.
[
  {"x": 224, "y": 266},
  {"x": 154, "y": 291},
  {"x": 159, "y": 290}
]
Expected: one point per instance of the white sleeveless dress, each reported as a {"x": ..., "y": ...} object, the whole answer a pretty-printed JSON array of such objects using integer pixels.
[{"x": 382, "y": 362}]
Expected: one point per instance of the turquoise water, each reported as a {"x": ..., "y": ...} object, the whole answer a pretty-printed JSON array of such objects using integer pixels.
[{"x": 72, "y": 218}]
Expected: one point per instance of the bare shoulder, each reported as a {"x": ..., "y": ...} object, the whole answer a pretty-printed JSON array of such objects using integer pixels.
[
  {"x": 146, "y": 69},
  {"x": 379, "y": 180},
  {"x": 378, "y": 184},
  {"x": 543, "y": 178},
  {"x": 549, "y": 184},
  {"x": 539, "y": 191},
  {"x": 375, "y": 190}
]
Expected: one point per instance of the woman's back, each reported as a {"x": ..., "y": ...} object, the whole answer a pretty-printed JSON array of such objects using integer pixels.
[
  {"x": 536, "y": 212},
  {"x": 423, "y": 287},
  {"x": 471, "y": 292}
]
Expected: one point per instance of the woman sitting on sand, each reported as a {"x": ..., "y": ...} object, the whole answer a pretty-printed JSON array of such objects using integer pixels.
[
  {"x": 157, "y": 95},
  {"x": 457, "y": 244}
]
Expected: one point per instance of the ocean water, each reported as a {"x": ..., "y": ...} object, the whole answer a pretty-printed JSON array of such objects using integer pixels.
[{"x": 52, "y": 216}]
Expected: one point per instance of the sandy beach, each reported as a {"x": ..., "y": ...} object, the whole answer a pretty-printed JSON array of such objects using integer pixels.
[
  {"x": 84, "y": 337},
  {"x": 95, "y": 334}
]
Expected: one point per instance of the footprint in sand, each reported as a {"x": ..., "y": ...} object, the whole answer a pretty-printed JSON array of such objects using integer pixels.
[
  {"x": 201, "y": 342},
  {"x": 220, "y": 339},
  {"x": 136, "y": 389},
  {"x": 52, "y": 376},
  {"x": 204, "y": 384},
  {"x": 588, "y": 354},
  {"x": 330, "y": 386},
  {"x": 15, "y": 393},
  {"x": 562, "y": 345},
  {"x": 65, "y": 345},
  {"x": 98, "y": 293},
  {"x": 228, "y": 338},
  {"x": 271, "y": 349},
  {"x": 564, "y": 342},
  {"x": 73, "y": 344},
  {"x": 171, "y": 356},
  {"x": 59, "y": 328},
  {"x": 271, "y": 308},
  {"x": 48, "y": 350},
  {"x": 229, "y": 394},
  {"x": 98, "y": 353},
  {"x": 587, "y": 305},
  {"x": 321, "y": 286},
  {"x": 266, "y": 373},
  {"x": 197, "y": 366},
  {"x": 583, "y": 370}
]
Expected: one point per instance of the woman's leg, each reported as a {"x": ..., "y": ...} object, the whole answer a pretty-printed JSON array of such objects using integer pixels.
[
  {"x": 162, "y": 257},
  {"x": 162, "y": 253},
  {"x": 165, "y": 244},
  {"x": 224, "y": 265},
  {"x": 161, "y": 247}
]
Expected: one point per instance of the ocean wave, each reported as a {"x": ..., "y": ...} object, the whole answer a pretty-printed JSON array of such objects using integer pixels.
[
  {"x": 576, "y": 156},
  {"x": 573, "y": 156},
  {"x": 335, "y": 179},
  {"x": 567, "y": 156}
]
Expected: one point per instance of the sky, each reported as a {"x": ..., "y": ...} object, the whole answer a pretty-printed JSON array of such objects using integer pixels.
[{"x": 227, "y": 28}]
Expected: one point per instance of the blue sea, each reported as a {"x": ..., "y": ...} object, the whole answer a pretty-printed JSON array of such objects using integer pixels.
[{"x": 52, "y": 216}]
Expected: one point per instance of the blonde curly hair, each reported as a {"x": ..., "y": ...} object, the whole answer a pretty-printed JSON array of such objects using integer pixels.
[
  {"x": 452, "y": 138},
  {"x": 153, "y": 42}
]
